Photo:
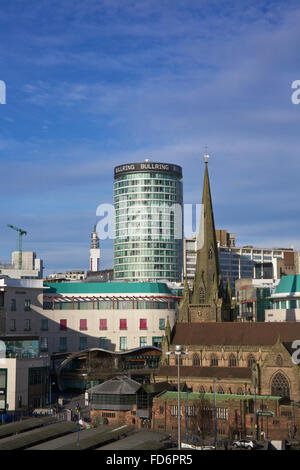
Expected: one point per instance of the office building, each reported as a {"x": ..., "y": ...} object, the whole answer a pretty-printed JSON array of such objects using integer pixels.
[
  {"x": 32, "y": 267},
  {"x": 148, "y": 222},
  {"x": 245, "y": 262},
  {"x": 252, "y": 298}
]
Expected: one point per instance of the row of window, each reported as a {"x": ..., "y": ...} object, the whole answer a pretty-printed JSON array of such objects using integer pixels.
[
  {"x": 13, "y": 305},
  {"x": 214, "y": 361},
  {"x": 191, "y": 411},
  {"x": 143, "y": 325},
  {"x": 104, "y": 343},
  {"x": 286, "y": 304}
]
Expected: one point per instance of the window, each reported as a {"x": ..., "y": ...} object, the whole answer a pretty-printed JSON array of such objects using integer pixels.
[
  {"x": 123, "y": 343},
  {"x": 103, "y": 343},
  {"x": 279, "y": 360},
  {"x": 83, "y": 324},
  {"x": 103, "y": 324},
  {"x": 280, "y": 386},
  {"x": 44, "y": 324},
  {"x": 232, "y": 360},
  {"x": 12, "y": 324},
  {"x": 196, "y": 360},
  {"x": 162, "y": 324},
  {"x": 63, "y": 344},
  {"x": 44, "y": 344},
  {"x": 213, "y": 360},
  {"x": 156, "y": 341},
  {"x": 143, "y": 324},
  {"x": 174, "y": 411},
  {"x": 82, "y": 342},
  {"x": 63, "y": 324},
  {"x": 251, "y": 361},
  {"x": 143, "y": 341},
  {"x": 27, "y": 325},
  {"x": 202, "y": 389},
  {"x": 27, "y": 305},
  {"x": 13, "y": 305},
  {"x": 220, "y": 390},
  {"x": 123, "y": 324}
]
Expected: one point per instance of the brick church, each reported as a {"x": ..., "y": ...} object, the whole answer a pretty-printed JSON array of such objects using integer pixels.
[{"x": 249, "y": 365}]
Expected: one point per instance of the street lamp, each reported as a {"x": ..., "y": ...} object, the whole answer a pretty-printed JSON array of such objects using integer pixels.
[
  {"x": 188, "y": 390},
  {"x": 50, "y": 396},
  {"x": 216, "y": 379},
  {"x": 178, "y": 352},
  {"x": 255, "y": 410}
]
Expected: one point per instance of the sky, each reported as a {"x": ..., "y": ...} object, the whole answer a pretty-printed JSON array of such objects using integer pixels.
[{"x": 97, "y": 83}]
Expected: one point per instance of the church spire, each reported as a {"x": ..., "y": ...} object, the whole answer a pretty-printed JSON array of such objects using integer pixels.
[{"x": 207, "y": 276}]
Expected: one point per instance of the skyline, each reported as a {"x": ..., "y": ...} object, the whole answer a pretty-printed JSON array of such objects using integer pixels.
[{"x": 95, "y": 85}]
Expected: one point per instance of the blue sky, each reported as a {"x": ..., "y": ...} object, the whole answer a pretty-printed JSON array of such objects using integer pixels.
[{"x": 94, "y": 84}]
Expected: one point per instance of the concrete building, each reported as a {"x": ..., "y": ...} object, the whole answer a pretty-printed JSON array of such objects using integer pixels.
[
  {"x": 148, "y": 222},
  {"x": 252, "y": 298},
  {"x": 74, "y": 275},
  {"x": 114, "y": 315},
  {"x": 245, "y": 262},
  {"x": 23, "y": 368},
  {"x": 32, "y": 267},
  {"x": 285, "y": 301},
  {"x": 23, "y": 374}
]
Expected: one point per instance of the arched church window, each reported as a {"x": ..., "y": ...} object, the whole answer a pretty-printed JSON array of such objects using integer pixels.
[
  {"x": 251, "y": 361},
  {"x": 202, "y": 389},
  {"x": 214, "y": 360},
  {"x": 196, "y": 360},
  {"x": 240, "y": 391},
  {"x": 279, "y": 360},
  {"x": 280, "y": 386},
  {"x": 220, "y": 390},
  {"x": 232, "y": 360}
]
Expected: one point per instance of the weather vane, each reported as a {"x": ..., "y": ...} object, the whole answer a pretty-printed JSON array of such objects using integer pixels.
[{"x": 206, "y": 155}]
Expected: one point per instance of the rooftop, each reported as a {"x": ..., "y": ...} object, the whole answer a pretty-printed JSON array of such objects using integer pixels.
[
  {"x": 219, "y": 396},
  {"x": 235, "y": 333},
  {"x": 289, "y": 284}
]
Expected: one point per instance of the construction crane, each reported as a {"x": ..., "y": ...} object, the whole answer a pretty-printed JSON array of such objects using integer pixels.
[{"x": 21, "y": 233}]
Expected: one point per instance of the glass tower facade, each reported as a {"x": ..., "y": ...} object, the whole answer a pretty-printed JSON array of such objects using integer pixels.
[{"x": 148, "y": 243}]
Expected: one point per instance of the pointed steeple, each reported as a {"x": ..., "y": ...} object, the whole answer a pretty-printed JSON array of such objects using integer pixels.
[
  {"x": 208, "y": 275},
  {"x": 183, "y": 309}
]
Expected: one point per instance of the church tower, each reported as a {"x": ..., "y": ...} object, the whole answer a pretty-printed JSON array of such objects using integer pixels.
[{"x": 207, "y": 299}]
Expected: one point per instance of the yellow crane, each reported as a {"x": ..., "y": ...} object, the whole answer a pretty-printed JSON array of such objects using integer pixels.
[{"x": 21, "y": 233}]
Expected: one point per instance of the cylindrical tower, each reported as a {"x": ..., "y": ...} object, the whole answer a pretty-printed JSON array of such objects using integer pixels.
[{"x": 148, "y": 222}]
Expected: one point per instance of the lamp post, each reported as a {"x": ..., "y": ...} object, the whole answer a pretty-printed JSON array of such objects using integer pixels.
[
  {"x": 216, "y": 379},
  {"x": 178, "y": 352},
  {"x": 50, "y": 396},
  {"x": 255, "y": 410},
  {"x": 187, "y": 414}
]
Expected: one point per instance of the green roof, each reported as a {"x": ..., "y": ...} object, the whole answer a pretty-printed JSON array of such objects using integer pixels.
[
  {"x": 288, "y": 284},
  {"x": 106, "y": 288},
  {"x": 219, "y": 396}
]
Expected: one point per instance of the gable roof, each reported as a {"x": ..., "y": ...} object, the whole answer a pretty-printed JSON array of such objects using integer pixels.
[
  {"x": 234, "y": 333},
  {"x": 121, "y": 385}
]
